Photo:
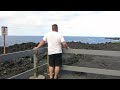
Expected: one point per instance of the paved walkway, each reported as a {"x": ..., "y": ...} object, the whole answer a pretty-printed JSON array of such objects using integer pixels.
[{"x": 76, "y": 75}]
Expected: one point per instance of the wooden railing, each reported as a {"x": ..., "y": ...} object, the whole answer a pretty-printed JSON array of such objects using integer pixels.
[
  {"x": 20, "y": 54},
  {"x": 34, "y": 71}
]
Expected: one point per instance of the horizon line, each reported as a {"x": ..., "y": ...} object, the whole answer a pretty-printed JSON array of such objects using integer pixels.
[{"x": 64, "y": 36}]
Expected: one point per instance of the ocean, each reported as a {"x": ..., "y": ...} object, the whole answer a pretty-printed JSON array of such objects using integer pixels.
[{"x": 11, "y": 40}]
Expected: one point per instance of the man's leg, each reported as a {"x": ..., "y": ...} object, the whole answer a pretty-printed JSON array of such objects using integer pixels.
[
  {"x": 51, "y": 65},
  {"x": 51, "y": 69},
  {"x": 58, "y": 64},
  {"x": 57, "y": 70}
]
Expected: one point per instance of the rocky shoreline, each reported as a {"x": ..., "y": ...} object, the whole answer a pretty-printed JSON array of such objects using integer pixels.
[{"x": 8, "y": 69}]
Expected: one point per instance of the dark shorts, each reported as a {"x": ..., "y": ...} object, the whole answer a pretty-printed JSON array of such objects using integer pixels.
[{"x": 55, "y": 60}]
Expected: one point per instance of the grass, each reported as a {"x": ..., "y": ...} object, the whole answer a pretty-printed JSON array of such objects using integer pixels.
[{"x": 116, "y": 42}]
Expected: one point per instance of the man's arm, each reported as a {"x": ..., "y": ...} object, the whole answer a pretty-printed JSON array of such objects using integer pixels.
[
  {"x": 40, "y": 44},
  {"x": 65, "y": 45}
]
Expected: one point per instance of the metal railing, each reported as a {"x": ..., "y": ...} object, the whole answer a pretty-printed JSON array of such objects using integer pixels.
[{"x": 33, "y": 53}]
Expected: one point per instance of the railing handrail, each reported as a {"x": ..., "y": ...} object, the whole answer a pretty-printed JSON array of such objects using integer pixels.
[
  {"x": 14, "y": 55},
  {"x": 20, "y": 54},
  {"x": 92, "y": 52}
]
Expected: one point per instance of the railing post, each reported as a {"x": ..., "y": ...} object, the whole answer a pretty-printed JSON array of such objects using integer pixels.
[{"x": 35, "y": 64}]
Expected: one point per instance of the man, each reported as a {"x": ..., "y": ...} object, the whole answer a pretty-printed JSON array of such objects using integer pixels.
[{"x": 55, "y": 42}]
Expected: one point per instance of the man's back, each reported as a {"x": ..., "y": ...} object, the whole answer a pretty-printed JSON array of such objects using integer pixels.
[{"x": 54, "y": 40}]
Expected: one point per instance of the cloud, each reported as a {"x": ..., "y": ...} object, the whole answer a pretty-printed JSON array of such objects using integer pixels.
[
  {"x": 71, "y": 23},
  {"x": 102, "y": 24},
  {"x": 6, "y": 14}
]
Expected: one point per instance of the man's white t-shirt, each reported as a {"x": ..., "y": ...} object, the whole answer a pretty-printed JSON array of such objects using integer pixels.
[{"x": 54, "y": 40}]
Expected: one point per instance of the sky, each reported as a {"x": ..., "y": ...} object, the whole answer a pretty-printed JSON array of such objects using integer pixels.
[{"x": 70, "y": 23}]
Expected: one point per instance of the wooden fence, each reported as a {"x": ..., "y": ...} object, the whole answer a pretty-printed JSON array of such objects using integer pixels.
[{"x": 34, "y": 71}]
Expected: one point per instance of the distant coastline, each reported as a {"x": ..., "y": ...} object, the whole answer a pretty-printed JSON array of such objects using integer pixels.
[
  {"x": 113, "y": 38},
  {"x": 11, "y": 40},
  {"x": 74, "y": 45}
]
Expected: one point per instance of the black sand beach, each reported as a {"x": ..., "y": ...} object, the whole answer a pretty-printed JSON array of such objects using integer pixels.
[{"x": 8, "y": 69}]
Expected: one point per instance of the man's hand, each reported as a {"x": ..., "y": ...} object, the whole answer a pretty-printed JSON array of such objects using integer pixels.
[
  {"x": 35, "y": 48},
  {"x": 68, "y": 47},
  {"x": 39, "y": 45},
  {"x": 65, "y": 45}
]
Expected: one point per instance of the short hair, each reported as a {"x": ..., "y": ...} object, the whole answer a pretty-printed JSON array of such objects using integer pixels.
[{"x": 55, "y": 25}]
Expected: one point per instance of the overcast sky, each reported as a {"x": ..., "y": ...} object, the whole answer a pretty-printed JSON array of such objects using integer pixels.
[{"x": 71, "y": 23}]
